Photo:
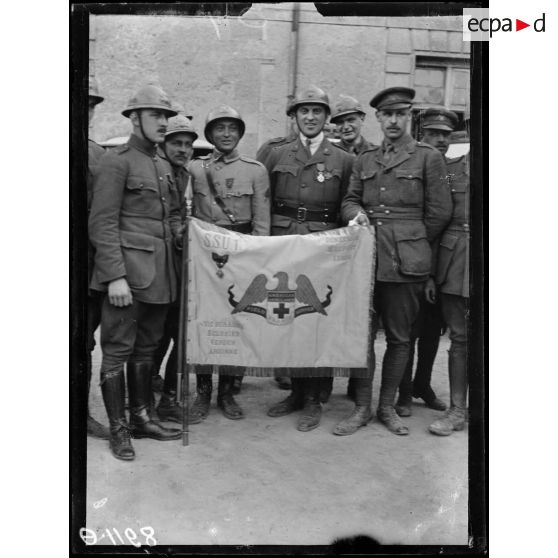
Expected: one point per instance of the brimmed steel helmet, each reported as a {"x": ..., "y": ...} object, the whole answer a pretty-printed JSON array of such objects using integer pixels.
[
  {"x": 345, "y": 105},
  {"x": 180, "y": 110},
  {"x": 150, "y": 97},
  {"x": 218, "y": 113},
  {"x": 179, "y": 124},
  {"x": 312, "y": 95},
  {"x": 94, "y": 91}
]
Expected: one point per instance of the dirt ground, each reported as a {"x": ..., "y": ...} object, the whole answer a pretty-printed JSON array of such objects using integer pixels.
[{"x": 259, "y": 481}]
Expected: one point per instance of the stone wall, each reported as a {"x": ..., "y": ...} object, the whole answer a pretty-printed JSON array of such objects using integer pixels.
[{"x": 248, "y": 62}]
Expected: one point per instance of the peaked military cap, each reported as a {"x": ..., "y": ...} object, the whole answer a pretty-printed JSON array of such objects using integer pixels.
[
  {"x": 439, "y": 119},
  {"x": 393, "y": 98}
]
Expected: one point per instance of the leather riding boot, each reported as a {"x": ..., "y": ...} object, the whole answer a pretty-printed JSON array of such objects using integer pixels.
[
  {"x": 225, "y": 399},
  {"x": 294, "y": 402},
  {"x": 169, "y": 408},
  {"x": 141, "y": 424},
  {"x": 362, "y": 413},
  {"x": 112, "y": 388},
  {"x": 202, "y": 403},
  {"x": 94, "y": 428},
  {"x": 283, "y": 382},
  {"x": 312, "y": 410}
]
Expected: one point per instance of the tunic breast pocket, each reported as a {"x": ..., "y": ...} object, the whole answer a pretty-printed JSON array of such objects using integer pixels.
[
  {"x": 409, "y": 185},
  {"x": 285, "y": 179},
  {"x": 370, "y": 190},
  {"x": 142, "y": 195},
  {"x": 239, "y": 198}
]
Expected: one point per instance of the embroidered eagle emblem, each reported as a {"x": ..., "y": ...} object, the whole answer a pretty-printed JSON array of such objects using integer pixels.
[{"x": 281, "y": 302}]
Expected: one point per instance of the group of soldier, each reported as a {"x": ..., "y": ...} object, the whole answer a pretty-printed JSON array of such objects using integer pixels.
[{"x": 416, "y": 200}]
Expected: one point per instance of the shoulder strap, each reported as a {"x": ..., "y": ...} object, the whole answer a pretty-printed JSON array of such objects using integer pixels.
[{"x": 218, "y": 198}]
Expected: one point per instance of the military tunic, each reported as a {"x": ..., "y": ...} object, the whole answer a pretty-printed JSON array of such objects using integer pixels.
[
  {"x": 453, "y": 259},
  {"x": 307, "y": 189},
  {"x": 133, "y": 208},
  {"x": 243, "y": 185},
  {"x": 356, "y": 148},
  {"x": 407, "y": 199}
]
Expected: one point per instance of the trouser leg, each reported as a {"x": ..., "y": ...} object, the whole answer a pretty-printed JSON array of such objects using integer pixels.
[
  {"x": 398, "y": 305},
  {"x": 312, "y": 410},
  {"x": 225, "y": 397},
  {"x": 204, "y": 387}
]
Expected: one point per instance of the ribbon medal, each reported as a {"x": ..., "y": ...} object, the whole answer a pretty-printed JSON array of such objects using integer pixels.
[{"x": 320, "y": 176}]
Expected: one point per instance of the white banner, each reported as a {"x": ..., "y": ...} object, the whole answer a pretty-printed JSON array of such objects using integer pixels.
[{"x": 279, "y": 301}]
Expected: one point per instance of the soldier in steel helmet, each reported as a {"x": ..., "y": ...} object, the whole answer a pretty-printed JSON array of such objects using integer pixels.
[
  {"x": 437, "y": 125},
  {"x": 309, "y": 177},
  {"x": 231, "y": 191},
  {"x": 133, "y": 214},
  {"x": 347, "y": 114},
  {"x": 94, "y": 298},
  {"x": 452, "y": 280},
  {"x": 177, "y": 149},
  {"x": 399, "y": 187}
]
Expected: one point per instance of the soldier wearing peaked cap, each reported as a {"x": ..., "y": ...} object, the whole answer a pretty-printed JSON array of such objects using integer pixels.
[
  {"x": 400, "y": 188},
  {"x": 452, "y": 279},
  {"x": 308, "y": 177},
  {"x": 177, "y": 149},
  {"x": 133, "y": 215},
  {"x": 349, "y": 117},
  {"x": 437, "y": 125},
  {"x": 231, "y": 191},
  {"x": 94, "y": 298}
]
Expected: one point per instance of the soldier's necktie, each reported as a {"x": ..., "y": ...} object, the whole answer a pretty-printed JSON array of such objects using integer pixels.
[
  {"x": 308, "y": 144},
  {"x": 388, "y": 152}
]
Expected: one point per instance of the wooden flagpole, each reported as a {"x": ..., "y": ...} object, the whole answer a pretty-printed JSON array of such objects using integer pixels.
[{"x": 183, "y": 375}]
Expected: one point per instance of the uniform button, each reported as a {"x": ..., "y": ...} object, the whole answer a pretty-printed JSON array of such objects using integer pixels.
[
  {"x": 379, "y": 223},
  {"x": 382, "y": 189},
  {"x": 386, "y": 211},
  {"x": 217, "y": 167},
  {"x": 163, "y": 198},
  {"x": 160, "y": 178},
  {"x": 303, "y": 185},
  {"x": 453, "y": 189},
  {"x": 382, "y": 205}
]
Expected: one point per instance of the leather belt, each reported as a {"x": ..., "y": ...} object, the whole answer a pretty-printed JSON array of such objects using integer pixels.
[
  {"x": 389, "y": 212},
  {"x": 302, "y": 214},
  {"x": 245, "y": 228}
]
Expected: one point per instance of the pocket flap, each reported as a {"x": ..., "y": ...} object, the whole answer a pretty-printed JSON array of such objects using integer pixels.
[
  {"x": 240, "y": 190},
  {"x": 459, "y": 187},
  {"x": 137, "y": 241},
  {"x": 449, "y": 241},
  {"x": 409, "y": 231},
  {"x": 366, "y": 175},
  {"x": 291, "y": 169},
  {"x": 140, "y": 183},
  {"x": 408, "y": 173}
]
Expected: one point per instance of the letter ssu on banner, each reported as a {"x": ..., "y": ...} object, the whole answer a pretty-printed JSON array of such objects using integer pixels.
[{"x": 281, "y": 301}]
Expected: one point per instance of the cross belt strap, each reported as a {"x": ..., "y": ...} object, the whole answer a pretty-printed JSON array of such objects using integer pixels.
[{"x": 217, "y": 197}]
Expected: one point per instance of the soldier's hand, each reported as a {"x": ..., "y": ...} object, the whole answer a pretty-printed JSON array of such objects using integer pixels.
[
  {"x": 179, "y": 237},
  {"x": 430, "y": 291},
  {"x": 119, "y": 292},
  {"x": 360, "y": 219}
]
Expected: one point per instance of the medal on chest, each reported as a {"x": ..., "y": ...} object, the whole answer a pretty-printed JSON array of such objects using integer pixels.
[{"x": 320, "y": 177}]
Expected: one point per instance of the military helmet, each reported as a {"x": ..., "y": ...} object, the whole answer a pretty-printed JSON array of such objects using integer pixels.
[
  {"x": 179, "y": 124},
  {"x": 94, "y": 91},
  {"x": 345, "y": 105},
  {"x": 218, "y": 113},
  {"x": 149, "y": 97},
  {"x": 180, "y": 110},
  {"x": 312, "y": 95}
]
